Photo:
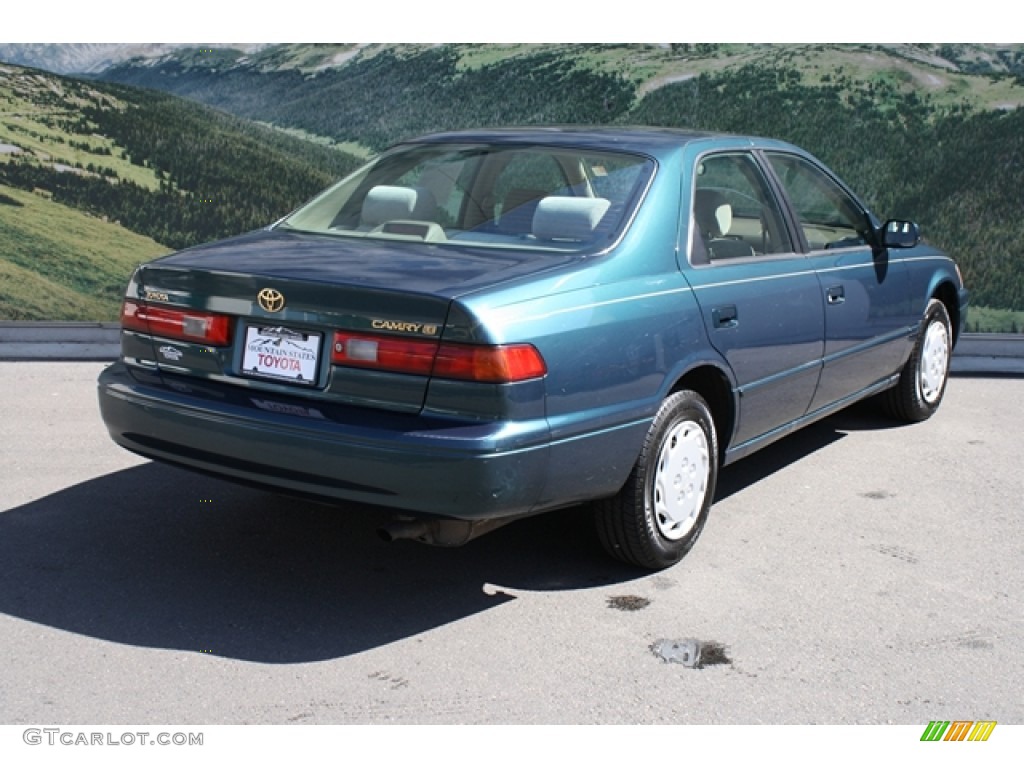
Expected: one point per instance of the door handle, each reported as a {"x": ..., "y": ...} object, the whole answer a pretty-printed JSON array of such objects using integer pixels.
[
  {"x": 835, "y": 295},
  {"x": 724, "y": 317}
]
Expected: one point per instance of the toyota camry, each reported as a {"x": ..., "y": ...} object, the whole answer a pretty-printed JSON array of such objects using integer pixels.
[{"x": 483, "y": 325}]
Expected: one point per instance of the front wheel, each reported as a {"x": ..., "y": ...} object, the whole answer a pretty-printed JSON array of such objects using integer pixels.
[
  {"x": 922, "y": 381},
  {"x": 659, "y": 513}
]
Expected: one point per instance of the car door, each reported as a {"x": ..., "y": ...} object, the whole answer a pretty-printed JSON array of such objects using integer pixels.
[
  {"x": 868, "y": 317},
  {"x": 760, "y": 300}
]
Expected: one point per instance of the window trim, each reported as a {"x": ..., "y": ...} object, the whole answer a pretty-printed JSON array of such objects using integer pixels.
[
  {"x": 782, "y": 205},
  {"x": 796, "y": 227}
]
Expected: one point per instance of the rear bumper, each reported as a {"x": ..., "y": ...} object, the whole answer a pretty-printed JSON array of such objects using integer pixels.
[{"x": 431, "y": 466}]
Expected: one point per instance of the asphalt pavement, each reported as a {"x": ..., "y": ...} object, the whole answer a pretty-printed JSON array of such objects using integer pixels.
[{"x": 858, "y": 572}]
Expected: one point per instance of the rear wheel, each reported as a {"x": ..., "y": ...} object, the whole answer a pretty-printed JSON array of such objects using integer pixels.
[
  {"x": 922, "y": 382},
  {"x": 659, "y": 513}
]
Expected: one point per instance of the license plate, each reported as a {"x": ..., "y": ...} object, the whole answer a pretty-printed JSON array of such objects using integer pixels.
[{"x": 281, "y": 353}]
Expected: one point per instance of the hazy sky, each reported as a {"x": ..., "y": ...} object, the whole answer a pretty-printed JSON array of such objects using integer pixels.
[{"x": 404, "y": 21}]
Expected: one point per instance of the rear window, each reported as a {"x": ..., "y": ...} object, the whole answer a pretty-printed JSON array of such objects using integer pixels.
[{"x": 496, "y": 196}]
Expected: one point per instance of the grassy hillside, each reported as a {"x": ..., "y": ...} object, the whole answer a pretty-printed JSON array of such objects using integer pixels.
[
  {"x": 162, "y": 166},
  {"x": 83, "y": 166},
  {"x": 379, "y": 94},
  {"x": 929, "y": 132},
  {"x": 958, "y": 172},
  {"x": 988, "y": 320},
  {"x": 57, "y": 263}
]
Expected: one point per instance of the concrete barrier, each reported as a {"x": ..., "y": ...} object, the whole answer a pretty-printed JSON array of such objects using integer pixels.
[
  {"x": 989, "y": 353},
  {"x": 59, "y": 341}
]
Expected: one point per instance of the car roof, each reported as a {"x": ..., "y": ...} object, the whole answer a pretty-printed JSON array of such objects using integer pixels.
[{"x": 635, "y": 138}]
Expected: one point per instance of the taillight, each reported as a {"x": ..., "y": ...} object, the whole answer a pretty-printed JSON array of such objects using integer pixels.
[
  {"x": 496, "y": 364},
  {"x": 173, "y": 323},
  {"x": 384, "y": 353},
  {"x": 503, "y": 363}
]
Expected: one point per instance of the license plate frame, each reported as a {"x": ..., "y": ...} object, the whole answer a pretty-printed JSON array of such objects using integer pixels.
[{"x": 282, "y": 354}]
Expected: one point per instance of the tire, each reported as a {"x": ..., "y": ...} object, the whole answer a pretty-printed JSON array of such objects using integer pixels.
[
  {"x": 922, "y": 383},
  {"x": 644, "y": 524}
]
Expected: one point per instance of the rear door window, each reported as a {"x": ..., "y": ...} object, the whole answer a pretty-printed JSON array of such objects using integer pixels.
[{"x": 734, "y": 212}]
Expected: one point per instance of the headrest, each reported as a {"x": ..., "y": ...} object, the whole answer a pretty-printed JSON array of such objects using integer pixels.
[
  {"x": 568, "y": 218},
  {"x": 713, "y": 213},
  {"x": 385, "y": 203}
]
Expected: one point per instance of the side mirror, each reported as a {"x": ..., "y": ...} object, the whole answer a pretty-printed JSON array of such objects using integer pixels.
[{"x": 900, "y": 234}]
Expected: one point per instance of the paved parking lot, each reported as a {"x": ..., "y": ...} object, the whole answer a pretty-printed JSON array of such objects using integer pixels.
[{"x": 859, "y": 572}]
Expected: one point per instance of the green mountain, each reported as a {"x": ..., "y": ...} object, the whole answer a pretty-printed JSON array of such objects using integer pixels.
[
  {"x": 930, "y": 132},
  {"x": 58, "y": 263},
  {"x": 95, "y": 178}
]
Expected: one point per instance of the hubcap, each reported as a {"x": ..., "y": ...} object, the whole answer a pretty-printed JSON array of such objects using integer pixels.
[
  {"x": 681, "y": 479},
  {"x": 934, "y": 362}
]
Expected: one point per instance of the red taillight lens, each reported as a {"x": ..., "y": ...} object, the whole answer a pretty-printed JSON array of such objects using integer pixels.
[
  {"x": 499, "y": 364},
  {"x": 130, "y": 319},
  {"x": 384, "y": 353},
  {"x": 172, "y": 323},
  {"x": 425, "y": 357}
]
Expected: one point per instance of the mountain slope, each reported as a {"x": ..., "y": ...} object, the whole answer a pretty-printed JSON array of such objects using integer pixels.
[
  {"x": 58, "y": 263},
  {"x": 934, "y": 133},
  {"x": 81, "y": 58},
  {"x": 170, "y": 170},
  {"x": 379, "y": 94},
  {"x": 164, "y": 167},
  {"x": 958, "y": 172},
  {"x": 930, "y": 132}
]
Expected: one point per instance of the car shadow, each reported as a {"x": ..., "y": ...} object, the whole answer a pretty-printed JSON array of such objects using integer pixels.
[
  {"x": 158, "y": 557},
  {"x": 863, "y": 416},
  {"x": 750, "y": 470}
]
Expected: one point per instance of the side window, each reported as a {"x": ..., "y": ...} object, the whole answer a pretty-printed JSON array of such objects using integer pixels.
[
  {"x": 828, "y": 216},
  {"x": 734, "y": 213}
]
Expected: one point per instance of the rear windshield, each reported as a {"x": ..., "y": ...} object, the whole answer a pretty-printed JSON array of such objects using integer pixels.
[{"x": 489, "y": 196}]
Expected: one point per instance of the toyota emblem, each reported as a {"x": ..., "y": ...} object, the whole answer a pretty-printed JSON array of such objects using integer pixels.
[{"x": 271, "y": 300}]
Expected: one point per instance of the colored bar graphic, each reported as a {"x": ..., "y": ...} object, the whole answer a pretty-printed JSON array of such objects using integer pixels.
[
  {"x": 958, "y": 730},
  {"x": 982, "y": 730}
]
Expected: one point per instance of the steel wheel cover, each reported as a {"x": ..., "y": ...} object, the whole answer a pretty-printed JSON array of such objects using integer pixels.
[
  {"x": 681, "y": 480},
  {"x": 934, "y": 362}
]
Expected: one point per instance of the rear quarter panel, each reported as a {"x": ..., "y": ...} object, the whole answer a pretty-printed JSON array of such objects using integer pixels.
[{"x": 616, "y": 331}]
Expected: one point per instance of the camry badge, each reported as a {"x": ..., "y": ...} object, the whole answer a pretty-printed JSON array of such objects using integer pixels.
[{"x": 271, "y": 300}]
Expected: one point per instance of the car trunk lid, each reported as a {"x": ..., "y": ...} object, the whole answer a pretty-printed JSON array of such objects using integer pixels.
[{"x": 309, "y": 316}]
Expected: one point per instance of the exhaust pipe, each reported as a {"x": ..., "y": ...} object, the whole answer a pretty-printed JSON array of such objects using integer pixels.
[
  {"x": 401, "y": 528},
  {"x": 440, "y": 533}
]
